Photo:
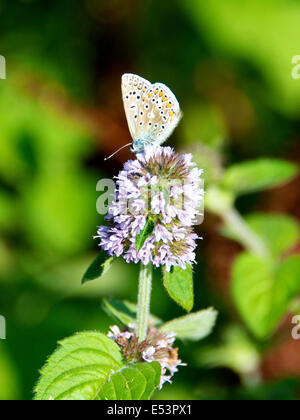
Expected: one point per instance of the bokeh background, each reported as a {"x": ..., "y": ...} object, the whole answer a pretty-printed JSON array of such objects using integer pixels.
[{"x": 61, "y": 113}]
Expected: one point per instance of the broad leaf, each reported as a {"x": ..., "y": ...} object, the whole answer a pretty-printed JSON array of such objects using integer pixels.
[
  {"x": 78, "y": 369},
  {"x": 236, "y": 351},
  {"x": 144, "y": 234},
  {"x": 125, "y": 312},
  {"x": 179, "y": 284},
  {"x": 257, "y": 175},
  {"x": 98, "y": 268},
  {"x": 279, "y": 232},
  {"x": 287, "y": 285},
  {"x": 134, "y": 382},
  {"x": 263, "y": 290},
  {"x": 90, "y": 366},
  {"x": 194, "y": 326}
]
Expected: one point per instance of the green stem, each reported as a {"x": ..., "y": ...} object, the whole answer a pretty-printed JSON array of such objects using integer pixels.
[
  {"x": 247, "y": 237},
  {"x": 145, "y": 283}
]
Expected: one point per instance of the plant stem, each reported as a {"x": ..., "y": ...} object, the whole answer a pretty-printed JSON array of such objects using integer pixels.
[
  {"x": 246, "y": 236},
  {"x": 145, "y": 283}
]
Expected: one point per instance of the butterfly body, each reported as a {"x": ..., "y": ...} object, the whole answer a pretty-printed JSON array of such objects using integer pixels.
[
  {"x": 138, "y": 145},
  {"x": 152, "y": 111}
]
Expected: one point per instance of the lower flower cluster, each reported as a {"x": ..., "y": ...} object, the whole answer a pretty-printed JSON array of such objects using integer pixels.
[{"x": 157, "y": 347}]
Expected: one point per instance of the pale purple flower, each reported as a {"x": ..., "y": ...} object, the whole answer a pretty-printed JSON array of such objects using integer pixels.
[
  {"x": 164, "y": 187},
  {"x": 157, "y": 347}
]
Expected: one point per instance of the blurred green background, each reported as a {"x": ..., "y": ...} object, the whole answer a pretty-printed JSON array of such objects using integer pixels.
[{"x": 230, "y": 65}]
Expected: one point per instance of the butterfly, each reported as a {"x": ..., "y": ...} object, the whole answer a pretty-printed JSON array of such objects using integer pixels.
[{"x": 152, "y": 111}]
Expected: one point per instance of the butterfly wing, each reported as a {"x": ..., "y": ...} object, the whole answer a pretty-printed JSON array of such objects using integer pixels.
[
  {"x": 133, "y": 88},
  {"x": 164, "y": 114},
  {"x": 152, "y": 111}
]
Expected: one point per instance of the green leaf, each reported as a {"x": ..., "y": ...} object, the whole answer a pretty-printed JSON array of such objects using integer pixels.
[
  {"x": 134, "y": 382},
  {"x": 179, "y": 284},
  {"x": 193, "y": 326},
  {"x": 263, "y": 290},
  {"x": 257, "y": 175},
  {"x": 98, "y": 268},
  {"x": 90, "y": 366},
  {"x": 279, "y": 232},
  {"x": 236, "y": 351},
  {"x": 78, "y": 369},
  {"x": 125, "y": 311},
  {"x": 144, "y": 234}
]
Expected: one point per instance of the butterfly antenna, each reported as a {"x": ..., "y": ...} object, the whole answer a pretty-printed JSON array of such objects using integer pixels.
[{"x": 117, "y": 151}]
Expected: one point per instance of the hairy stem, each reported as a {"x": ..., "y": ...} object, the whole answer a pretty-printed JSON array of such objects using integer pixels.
[
  {"x": 145, "y": 283},
  {"x": 247, "y": 237}
]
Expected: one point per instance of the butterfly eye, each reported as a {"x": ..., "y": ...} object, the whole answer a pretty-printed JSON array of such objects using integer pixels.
[{"x": 141, "y": 113}]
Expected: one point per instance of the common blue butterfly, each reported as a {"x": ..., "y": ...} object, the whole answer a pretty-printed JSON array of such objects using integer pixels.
[{"x": 152, "y": 111}]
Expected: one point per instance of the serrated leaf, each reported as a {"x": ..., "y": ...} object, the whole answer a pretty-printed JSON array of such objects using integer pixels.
[
  {"x": 263, "y": 290},
  {"x": 279, "y": 232},
  {"x": 98, "y": 268},
  {"x": 257, "y": 175},
  {"x": 194, "y": 326},
  {"x": 125, "y": 311},
  {"x": 79, "y": 368},
  {"x": 179, "y": 284},
  {"x": 144, "y": 234},
  {"x": 134, "y": 382},
  {"x": 90, "y": 366}
]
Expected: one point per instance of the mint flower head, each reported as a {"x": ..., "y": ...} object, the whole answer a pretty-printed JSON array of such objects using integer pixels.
[
  {"x": 157, "y": 201},
  {"x": 157, "y": 347}
]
